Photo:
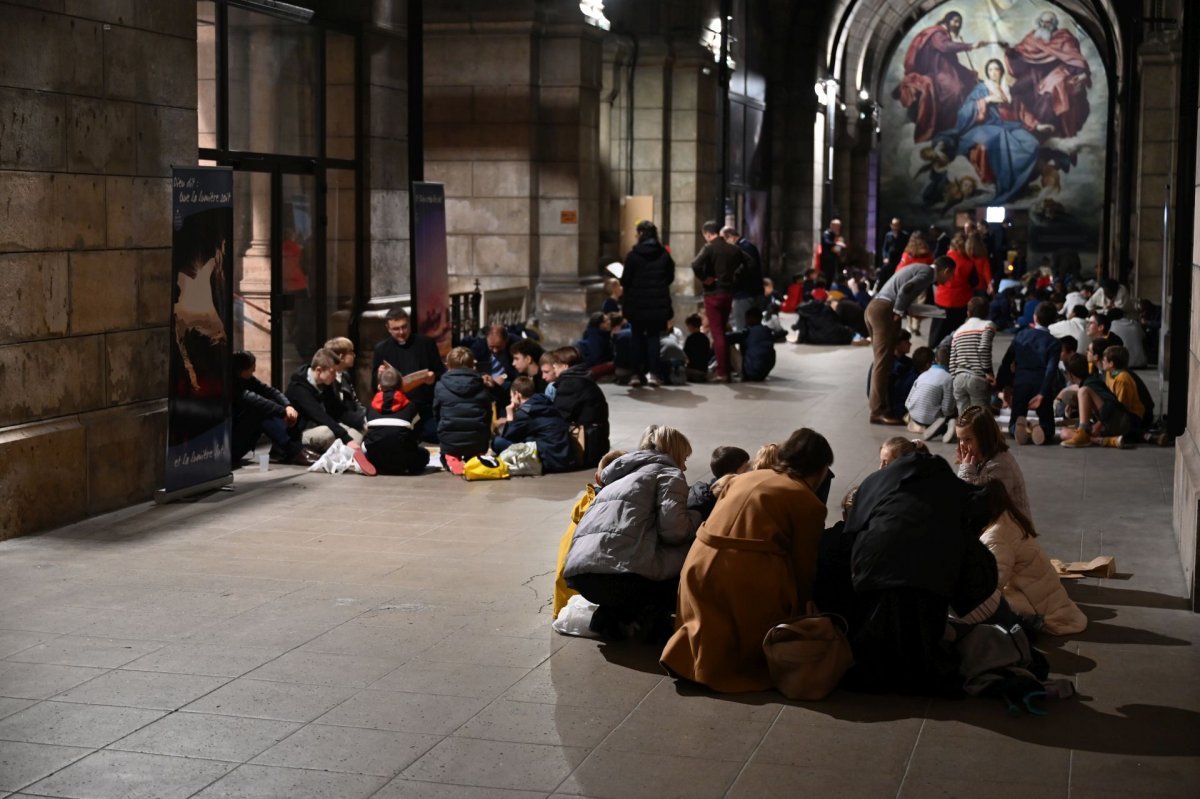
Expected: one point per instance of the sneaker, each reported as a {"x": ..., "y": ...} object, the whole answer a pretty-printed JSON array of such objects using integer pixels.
[
  {"x": 1037, "y": 434},
  {"x": 1161, "y": 440},
  {"x": 1021, "y": 432},
  {"x": 949, "y": 436},
  {"x": 635, "y": 382},
  {"x": 1080, "y": 439},
  {"x": 364, "y": 463},
  {"x": 653, "y": 380},
  {"x": 913, "y": 427},
  {"x": 935, "y": 429}
]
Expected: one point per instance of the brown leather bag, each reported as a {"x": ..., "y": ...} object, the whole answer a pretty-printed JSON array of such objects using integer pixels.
[{"x": 808, "y": 655}]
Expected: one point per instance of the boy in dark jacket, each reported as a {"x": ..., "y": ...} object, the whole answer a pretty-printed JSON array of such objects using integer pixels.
[
  {"x": 1027, "y": 376},
  {"x": 698, "y": 350},
  {"x": 391, "y": 443},
  {"x": 581, "y": 402},
  {"x": 758, "y": 348},
  {"x": 597, "y": 345},
  {"x": 323, "y": 416},
  {"x": 463, "y": 406},
  {"x": 533, "y": 417},
  {"x": 261, "y": 409},
  {"x": 725, "y": 460}
]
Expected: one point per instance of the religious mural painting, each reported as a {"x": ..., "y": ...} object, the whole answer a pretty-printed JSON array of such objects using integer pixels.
[{"x": 998, "y": 103}]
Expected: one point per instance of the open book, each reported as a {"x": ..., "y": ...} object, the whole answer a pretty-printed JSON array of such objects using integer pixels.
[{"x": 411, "y": 380}]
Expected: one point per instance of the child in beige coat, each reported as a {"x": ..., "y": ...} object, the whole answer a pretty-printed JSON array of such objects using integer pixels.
[{"x": 1027, "y": 578}]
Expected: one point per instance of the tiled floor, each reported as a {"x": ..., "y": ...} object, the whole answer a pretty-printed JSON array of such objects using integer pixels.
[{"x": 308, "y": 635}]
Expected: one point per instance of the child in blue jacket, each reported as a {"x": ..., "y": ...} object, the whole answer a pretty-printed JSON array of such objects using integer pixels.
[
  {"x": 533, "y": 417},
  {"x": 758, "y": 347}
]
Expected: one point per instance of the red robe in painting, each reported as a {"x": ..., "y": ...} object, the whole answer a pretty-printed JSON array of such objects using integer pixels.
[
  {"x": 935, "y": 83},
  {"x": 1051, "y": 80}
]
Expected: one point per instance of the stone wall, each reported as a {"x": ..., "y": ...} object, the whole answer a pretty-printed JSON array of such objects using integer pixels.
[{"x": 99, "y": 100}]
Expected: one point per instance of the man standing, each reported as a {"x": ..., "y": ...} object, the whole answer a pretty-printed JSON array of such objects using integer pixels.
[
  {"x": 935, "y": 83},
  {"x": 1050, "y": 77},
  {"x": 832, "y": 245},
  {"x": 883, "y": 320},
  {"x": 747, "y": 291},
  {"x": 407, "y": 353},
  {"x": 894, "y": 242},
  {"x": 718, "y": 267}
]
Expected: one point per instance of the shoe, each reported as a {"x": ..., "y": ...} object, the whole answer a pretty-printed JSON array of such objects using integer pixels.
[
  {"x": 1080, "y": 439},
  {"x": 653, "y": 380},
  {"x": 1037, "y": 434},
  {"x": 889, "y": 420},
  {"x": 1021, "y": 432},
  {"x": 913, "y": 427},
  {"x": 367, "y": 467},
  {"x": 1161, "y": 440},
  {"x": 635, "y": 382},
  {"x": 949, "y": 436},
  {"x": 304, "y": 457},
  {"x": 935, "y": 429},
  {"x": 1126, "y": 442}
]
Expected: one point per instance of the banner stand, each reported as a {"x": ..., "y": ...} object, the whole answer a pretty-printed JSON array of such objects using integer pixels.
[
  {"x": 199, "y": 389},
  {"x": 162, "y": 496}
]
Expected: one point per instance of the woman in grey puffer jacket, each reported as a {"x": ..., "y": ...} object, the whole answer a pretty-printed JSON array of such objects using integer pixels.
[{"x": 630, "y": 545}]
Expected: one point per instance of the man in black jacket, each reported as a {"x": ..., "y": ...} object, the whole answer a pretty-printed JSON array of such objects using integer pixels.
[
  {"x": 260, "y": 409},
  {"x": 747, "y": 289},
  {"x": 323, "y": 417},
  {"x": 408, "y": 352},
  {"x": 718, "y": 267}
]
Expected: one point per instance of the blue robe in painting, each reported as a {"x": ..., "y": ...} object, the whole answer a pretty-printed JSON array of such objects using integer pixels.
[{"x": 1009, "y": 149}]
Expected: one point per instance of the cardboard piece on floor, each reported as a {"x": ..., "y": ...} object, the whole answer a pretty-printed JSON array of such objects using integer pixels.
[{"x": 1102, "y": 566}]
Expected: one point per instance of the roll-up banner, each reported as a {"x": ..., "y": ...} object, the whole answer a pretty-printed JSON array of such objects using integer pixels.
[
  {"x": 199, "y": 393},
  {"x": 431, "y": 292}
]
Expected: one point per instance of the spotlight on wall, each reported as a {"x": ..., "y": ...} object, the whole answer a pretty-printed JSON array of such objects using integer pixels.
[
  {"x": 593, "y": 12},
  {"x": 863, "y": 94},
  {"x": 995, "y": 215}
]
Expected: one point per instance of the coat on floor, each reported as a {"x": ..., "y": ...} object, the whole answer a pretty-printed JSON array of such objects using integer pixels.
[
  {"x": 639, "y": 522},
  {"x": 752, "y": 566},
  {"x": 463, "y": 406},
  {"x": 1028, "y": 579}
]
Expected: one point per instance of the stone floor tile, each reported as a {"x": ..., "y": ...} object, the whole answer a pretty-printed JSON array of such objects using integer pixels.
[
  {"x": 609, "y": 774},
  {"x": 8, "y": 706},
  {"x": 404, "y": 712},
  {"x": 1140, "y": 775},
  {"x": 450, "y": 679},
  {"x": 496, "y": 764},
  {"x": 207, "y": 659},
  {"x": 401, "y": 788},
  {"x": 146, "y": 689},
  {"x": 39, "y": 681},
  {"x": 270, "y": 700},
  {"x": 144, "y": 625},
  {"x": 70, "y": 724},
  {"x": 814, "y": 740},
  {"x": 553, "y": 683},
  {"x": 74, "y": 650},
  {"x": 126, "y": 775},
  {"x": 37, "y": 617},
  {"x": 358, "y": 751},
  {"x": 844, "y": 782},
  {"x": 943, "y": 751},
  {"x": 14, "y": 641},
  {"x": 269, "y": 782},
  {"x": 495, "y": 650},
  {"x": 377, "y": 642},
  {"x": 24, "y": 763},
  {"x": 949, "y": 786},
  {"x": 715, "y": 736},
  {"x": 317, "y": 668},
  {"x": 232, "y": 738},
  {"x": 537, "y": 723}
]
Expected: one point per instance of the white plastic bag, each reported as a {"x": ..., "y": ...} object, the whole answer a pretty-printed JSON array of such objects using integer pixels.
[
  {"x": 575, "y": 617},
  {"x": 337, "y": 459},
  {"x": 522, "y": 459}
]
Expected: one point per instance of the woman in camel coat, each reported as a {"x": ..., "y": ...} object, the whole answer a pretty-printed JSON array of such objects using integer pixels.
[
  {"x": 1026, "y": 576},
  {"x": 752, "y": 566}
]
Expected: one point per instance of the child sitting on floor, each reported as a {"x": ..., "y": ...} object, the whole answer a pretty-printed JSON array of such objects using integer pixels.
[
  {"x": 1101, "y": 415},
  {"x": 698, "y": 350},
  {"x": 563, "y": 592},
  {"x": 391, "y": 444},
  {"x": 930, "y": 403},
  {"x": 463, "y": 407},
  {"x": 533, "y": 417},
  {"x": 725, "y": 460}
]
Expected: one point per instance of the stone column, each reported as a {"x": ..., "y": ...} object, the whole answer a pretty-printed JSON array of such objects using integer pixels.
[{"x": 1158, "y": 68}]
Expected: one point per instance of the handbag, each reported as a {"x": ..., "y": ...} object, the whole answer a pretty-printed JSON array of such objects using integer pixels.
[
  {"x": 808, "y": 655},
  {"x": 485, "y": 467},
  {"x": 522, "y": 459}
]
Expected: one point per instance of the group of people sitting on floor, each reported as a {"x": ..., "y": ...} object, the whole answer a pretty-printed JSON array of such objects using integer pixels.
[
  {"x": 480, "y": 399},
  {"x": 922, "y": 555}
]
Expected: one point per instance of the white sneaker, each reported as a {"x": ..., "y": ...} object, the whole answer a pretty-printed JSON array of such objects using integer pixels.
[
  {"x": 1021, "y": 432},
  {"x": 949, "y": 436},
  {"x": 635, "y": 382},
  {"x": 934, "y": 429},
  {"x": 1037, "y": 434},
  {"x": 913, "y": 427},
  {"x": 653, "y": 380}
]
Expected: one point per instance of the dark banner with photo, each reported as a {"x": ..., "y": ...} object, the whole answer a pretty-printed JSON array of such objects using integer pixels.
[
  {"x": 431, "y": 294},
  {"x": 198, "y": 397}
]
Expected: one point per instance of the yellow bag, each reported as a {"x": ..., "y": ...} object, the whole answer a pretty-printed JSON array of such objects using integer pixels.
[{"x": 485, "y": 467}]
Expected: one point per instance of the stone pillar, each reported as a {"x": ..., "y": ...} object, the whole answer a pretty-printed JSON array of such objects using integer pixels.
[
  {"x": 1158, "y": 68},
  {"x": 97, "y": 106}
]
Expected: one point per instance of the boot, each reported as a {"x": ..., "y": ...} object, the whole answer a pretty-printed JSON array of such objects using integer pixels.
[{"x": 1080, "y": 439}]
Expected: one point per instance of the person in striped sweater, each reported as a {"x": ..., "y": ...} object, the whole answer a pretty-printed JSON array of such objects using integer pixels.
[{"x": 971, "y": 359}]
